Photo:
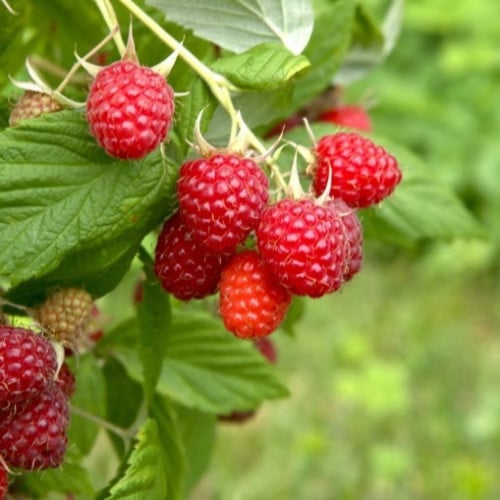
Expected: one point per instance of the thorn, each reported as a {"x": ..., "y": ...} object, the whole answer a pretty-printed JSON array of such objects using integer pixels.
[
  {"x": 92, "y": 69},
  {"x": 310, "y": 133},
  {"x": 165, "y": 67},
  {"x": 201, "y": 144},
  {"x": 295, "y": 189},
  {"x": 273, "y": 148},
  {"x": 325, "y": 195},
  {"x": 130, "y": 53}
]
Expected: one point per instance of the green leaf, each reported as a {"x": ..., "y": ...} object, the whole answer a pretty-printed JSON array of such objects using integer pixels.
[
  {"x": 197, "y": 430},
  {"x": 61, "y": 196},
  {"x": 153, "y": 320},
  {"x": 294, "y": 315},
  {"x": 326, "y": 49},
  {"x": 89, "y": 396},
  {"x": 240, "y": 25},
  {"x": 145, "y": 476},
  {"x": 72, "y": 477},
  {"x": 265, "y": 66},
  {"x": 205, "y": 366},
  {"x": 169, "y": 434},
  {"x": 367, "y": 48}
]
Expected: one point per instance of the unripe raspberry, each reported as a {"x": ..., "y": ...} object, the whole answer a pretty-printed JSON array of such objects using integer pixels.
[
  {"x": 129, "y": 109},
  {"x": 27, "y": 364},
  {"x": 252, "y": 303},
  {"x": 221, "y": 198},
  {"x": 31, "y": 105},
  {"x": 34, "y": 437},
  {"x": 66, "y": 316}
]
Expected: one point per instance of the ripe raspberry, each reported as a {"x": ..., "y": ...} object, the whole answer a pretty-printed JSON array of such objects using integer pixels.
[
  {"x": 27, "y": 364},
  {"x": 35, "y": 436},
  {"x": 303, "y": 245},
  {"x": 129, "y": 109},
  {"x": 221, "y": 199},
  {"x": 4, "y": 482},
  {"x": 185, "y": 268},
  {"x": 251, "y": 304},
  {"x": 66, "y": 380},
  {"x": 354, "y": 117},
  {"x": 31, "y": 105},
  {"x": 362, "y": 172},
  {"x": 66, "y": 316},
  {"x": 353, "y": 235}
]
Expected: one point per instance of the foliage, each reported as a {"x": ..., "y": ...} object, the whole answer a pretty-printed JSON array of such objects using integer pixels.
[{"x": 72, "y": 216}]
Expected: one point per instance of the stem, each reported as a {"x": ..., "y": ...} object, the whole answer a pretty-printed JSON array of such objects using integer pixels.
[
  {"x": 111, "y": 21},
  {"x": 119, "y": 431}
]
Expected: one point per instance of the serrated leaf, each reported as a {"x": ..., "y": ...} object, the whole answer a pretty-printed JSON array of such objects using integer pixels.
[
  {"x": 205, "y": 366},
  {"x": 144, "y": 477},
  {"x": 89, "y": 396},
  {"x": 238, "y": 25},
  {"x": 326, "y": 49},
  {"x": 153, "y": 321},
  {"x": 60, "y": 195},
  {"x": 265, "y": 66}
]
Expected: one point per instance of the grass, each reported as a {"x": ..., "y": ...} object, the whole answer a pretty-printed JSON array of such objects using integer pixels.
[{"x": 395, "y": 395}]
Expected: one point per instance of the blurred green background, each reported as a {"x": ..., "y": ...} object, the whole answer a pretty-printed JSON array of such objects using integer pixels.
[{"x": 395, "y": 381}]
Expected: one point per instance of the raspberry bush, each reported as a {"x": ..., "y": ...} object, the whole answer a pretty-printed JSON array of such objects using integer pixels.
[{"x": 172, "y": 173}]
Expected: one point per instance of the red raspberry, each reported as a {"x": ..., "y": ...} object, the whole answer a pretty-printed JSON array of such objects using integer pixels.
[
  {"x": 129, "y": 109},
  {"x": 221, "y": 199},
  {"x": 27, "y": 364},
  {"x": 31, "y": 105},
  {"x": 66, "y": 316},
  {"x": 353, "y": 235},
  {"x": 354, "y": 117},
  {"x": 252, "y": 304},
  {"x": 4, "y": 482},
  {"x": 34, "y": 437},
  {"x": 362, "y": 172},
  {"x": 66, "y": 380},
  {"x": 185, "y": 268},
  {"x": 303, "y": 245}
]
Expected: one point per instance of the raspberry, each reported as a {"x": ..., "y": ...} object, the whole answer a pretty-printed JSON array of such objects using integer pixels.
[
  {"x": 27, "y": 364},
  {"x": 353, "y": 234},
  {"x": 252, "y": 304},
  {"x": 362, "y": 172},
  {"x": 35, "y": 436},
  {"x": 354, "y": 117},
  {"x": 4, "y": 482},
  {"x": 303, "y": 245},
  {"x": 66, "y": 380},
  {"x": 129, "y": 109},
  {"x": 31, "y": 105},
  {"x": 66, "y": 316},
  {"x": 221, "y": 199},
  {"x": 185, "y": 268}
]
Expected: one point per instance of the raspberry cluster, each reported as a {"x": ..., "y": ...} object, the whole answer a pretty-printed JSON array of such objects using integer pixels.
[
  {"x": 34, "y": 408},
  {"x": 228, "y": 236}
]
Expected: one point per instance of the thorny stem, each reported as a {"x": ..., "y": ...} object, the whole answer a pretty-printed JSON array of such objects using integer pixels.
[
  {"x": 218, "y": 84},
  {"x": 119, "y": 431}
]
